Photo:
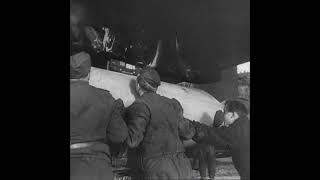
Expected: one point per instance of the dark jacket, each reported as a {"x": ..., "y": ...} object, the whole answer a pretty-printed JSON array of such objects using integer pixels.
[
  {"x": 154, "y": 122},
  {"x": 245, "y": 102},
  {"x": 155, "y": 126},
  {"x": 236, "y": 136},
  {"x": 94, "y": 117}
]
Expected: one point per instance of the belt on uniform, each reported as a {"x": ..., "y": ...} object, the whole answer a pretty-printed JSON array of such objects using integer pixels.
[{"x": 80, "y": 145}]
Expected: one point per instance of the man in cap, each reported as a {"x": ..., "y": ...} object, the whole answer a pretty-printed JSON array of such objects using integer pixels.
[
  {"x": 235, "y": 134},
  {"x": 156, "y": 125},
  {"x": 95, "y": 122}
]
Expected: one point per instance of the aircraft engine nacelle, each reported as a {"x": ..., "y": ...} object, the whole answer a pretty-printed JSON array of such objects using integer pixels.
[{"x": 197, "y": 104}]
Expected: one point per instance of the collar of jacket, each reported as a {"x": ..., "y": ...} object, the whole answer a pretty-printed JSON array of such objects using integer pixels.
[{"x": 238, "y": 122}]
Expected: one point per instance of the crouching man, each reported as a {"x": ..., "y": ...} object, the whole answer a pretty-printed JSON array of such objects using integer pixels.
[
  {"x": 236, "y": 133},
  {"x": 155, "y": 126}
]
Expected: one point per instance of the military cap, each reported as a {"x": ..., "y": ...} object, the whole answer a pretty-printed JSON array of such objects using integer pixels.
[
  {"x": 149, "y": 79},
  {"x": 80, "y": 65}
]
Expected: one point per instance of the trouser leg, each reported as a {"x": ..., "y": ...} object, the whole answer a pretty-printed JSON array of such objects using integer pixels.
[
  {"x": 171, "y": 167},
  {"x": 202, "y": 163},
  {"x": 211, "y": 161}
]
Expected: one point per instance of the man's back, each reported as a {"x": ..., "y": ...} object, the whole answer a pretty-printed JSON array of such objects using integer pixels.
[
  {"x": 162, "y": 134},
  {"x": 95, "y": 120},
  {"x": 155, "y": 127},
  {"x": 89, "y": 111},
  {"x": 94, "y": 115},
  {"x": 241, "y": 147}
]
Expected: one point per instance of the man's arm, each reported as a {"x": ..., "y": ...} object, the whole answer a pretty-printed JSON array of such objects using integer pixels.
[
  {"x": 211, "y": 135},
  {"x": 117, "y": 130},
  {"x": 220, "y": 135},
  {"x": 218, "y": 120},
  {"x": 186, "y": 129},
  {"x": 218, "y": 131},
  {"x": 138, "y": 115}
]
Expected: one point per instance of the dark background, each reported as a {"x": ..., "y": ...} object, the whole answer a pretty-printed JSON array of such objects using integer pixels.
[{"x": 214, "y": 34}]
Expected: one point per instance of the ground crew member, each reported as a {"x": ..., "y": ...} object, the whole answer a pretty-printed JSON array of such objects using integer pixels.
[
  {"x": 95, "y": 121},
  {"x": 236, "y": 133},
  {"x": 155, "y": 126}
]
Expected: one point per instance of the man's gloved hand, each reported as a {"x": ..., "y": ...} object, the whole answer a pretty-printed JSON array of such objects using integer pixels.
[
  {"x": 195, "y": 124},
  {"x": 199, "y": 131},
  {"x": 123, "y": 151},
  {"x": 119, "y": 155},
  {"x": 218, "y": 119},
  {"x": 120, "y": 106}
]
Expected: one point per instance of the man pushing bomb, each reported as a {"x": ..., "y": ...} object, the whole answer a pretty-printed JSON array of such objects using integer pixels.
[
  {"x": 155, "y": 126},
  {"x": 95, "y": 123}
]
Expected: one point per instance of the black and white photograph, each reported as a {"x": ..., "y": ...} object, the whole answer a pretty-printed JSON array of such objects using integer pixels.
[{"x": 159, "y": 89}]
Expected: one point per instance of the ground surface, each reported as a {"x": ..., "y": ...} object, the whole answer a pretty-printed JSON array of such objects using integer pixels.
[{"x": 225, "y": 171}]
